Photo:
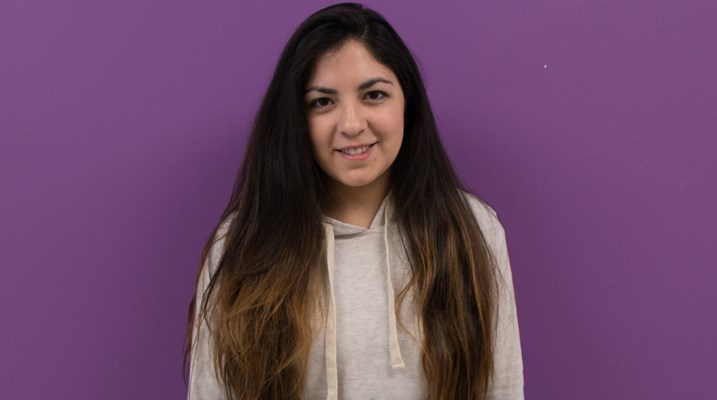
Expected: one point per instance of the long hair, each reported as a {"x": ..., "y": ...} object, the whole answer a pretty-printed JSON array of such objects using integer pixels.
[{"x": 262, "y": 301}]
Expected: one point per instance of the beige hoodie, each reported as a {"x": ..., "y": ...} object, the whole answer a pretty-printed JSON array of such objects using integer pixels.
[{"x": 362, "y": 353}]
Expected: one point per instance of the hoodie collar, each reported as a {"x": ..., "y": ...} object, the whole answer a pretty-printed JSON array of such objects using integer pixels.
[
  {"x": 334, "y": 229},
  {"x": 342, "y": 229}
]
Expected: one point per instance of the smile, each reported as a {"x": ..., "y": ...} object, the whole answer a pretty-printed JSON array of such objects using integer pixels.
[{"x": 355, "y": 150}]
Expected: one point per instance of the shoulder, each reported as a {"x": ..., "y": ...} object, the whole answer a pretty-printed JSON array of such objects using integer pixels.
[
  {"x": 218, "y": 244},
  {"x": 492, "y": 230},
  {"x": 485, "y": 215},
  {"x": 213, "y": 257}
]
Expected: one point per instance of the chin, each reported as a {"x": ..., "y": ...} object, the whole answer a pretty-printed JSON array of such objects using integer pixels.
[{"x": 357, "y": 182}]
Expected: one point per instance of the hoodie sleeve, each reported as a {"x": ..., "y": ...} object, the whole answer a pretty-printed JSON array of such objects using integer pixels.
[
  {"x": 204, "y": 384},
  {"x": 507, "y": 382}
]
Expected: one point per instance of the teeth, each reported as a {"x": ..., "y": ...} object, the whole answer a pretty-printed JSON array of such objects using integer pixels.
[{"x": 357, "y": 150}]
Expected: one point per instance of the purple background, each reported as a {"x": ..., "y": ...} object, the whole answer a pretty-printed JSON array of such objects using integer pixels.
[{"x": 589, "y": 125}]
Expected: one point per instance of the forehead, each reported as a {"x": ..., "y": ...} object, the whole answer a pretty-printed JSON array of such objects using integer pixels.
[{"x": 350, "y": 63}]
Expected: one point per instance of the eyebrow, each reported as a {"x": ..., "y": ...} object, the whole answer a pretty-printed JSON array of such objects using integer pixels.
[{"x": 361, "y": 87}]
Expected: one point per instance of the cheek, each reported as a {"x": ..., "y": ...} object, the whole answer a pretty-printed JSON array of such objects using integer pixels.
[
  {"x": 317, "y": 133},
  {"x": 391, "y": 123}
]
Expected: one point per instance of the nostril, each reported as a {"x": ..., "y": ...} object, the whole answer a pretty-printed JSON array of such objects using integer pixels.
[{"x": 352, "y": 132}]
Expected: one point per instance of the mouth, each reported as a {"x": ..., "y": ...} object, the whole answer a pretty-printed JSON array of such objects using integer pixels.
[{"x": 356, "y": 150}]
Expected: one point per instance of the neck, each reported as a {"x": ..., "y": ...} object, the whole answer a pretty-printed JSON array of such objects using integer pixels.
[{"x": 355, "y": 205}]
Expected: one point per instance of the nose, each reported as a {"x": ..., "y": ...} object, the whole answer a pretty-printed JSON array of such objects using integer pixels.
[{"x": 352, "y": 120}]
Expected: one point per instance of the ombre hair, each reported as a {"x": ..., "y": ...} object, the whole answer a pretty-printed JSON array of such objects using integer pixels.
[{"x": 264, "y": 298}]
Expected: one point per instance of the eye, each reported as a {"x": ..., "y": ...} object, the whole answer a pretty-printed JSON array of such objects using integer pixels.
[
  {"x": 321, "y": 102},
  {"x": 375, "y": 96}
]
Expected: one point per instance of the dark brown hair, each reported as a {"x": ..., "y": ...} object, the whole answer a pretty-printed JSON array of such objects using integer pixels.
[{"x": 266, "y": 294}]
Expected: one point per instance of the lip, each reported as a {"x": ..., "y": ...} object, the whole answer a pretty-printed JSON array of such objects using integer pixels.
[{"x": 356, "y": 157}]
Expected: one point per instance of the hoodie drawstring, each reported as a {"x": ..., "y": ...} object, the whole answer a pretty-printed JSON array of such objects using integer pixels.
[
  {"x": 394, "y": 348},
  {"x": 332, "y": 377},
  {"x": 332, "y": 381}
]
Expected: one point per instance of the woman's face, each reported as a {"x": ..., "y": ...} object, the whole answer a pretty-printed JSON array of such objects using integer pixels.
[{"x": 355, "y": 109}]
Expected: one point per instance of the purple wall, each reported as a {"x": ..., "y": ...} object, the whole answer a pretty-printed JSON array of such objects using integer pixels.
[{"x": 590, "y": 126}]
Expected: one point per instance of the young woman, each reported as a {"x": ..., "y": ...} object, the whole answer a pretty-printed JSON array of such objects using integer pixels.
[{"x": 350, "y": 263}]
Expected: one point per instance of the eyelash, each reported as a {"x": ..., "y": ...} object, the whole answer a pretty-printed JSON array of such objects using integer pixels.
[
  {"x": 382, "y": 95},
  {"x": 315, "y": 103}
]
